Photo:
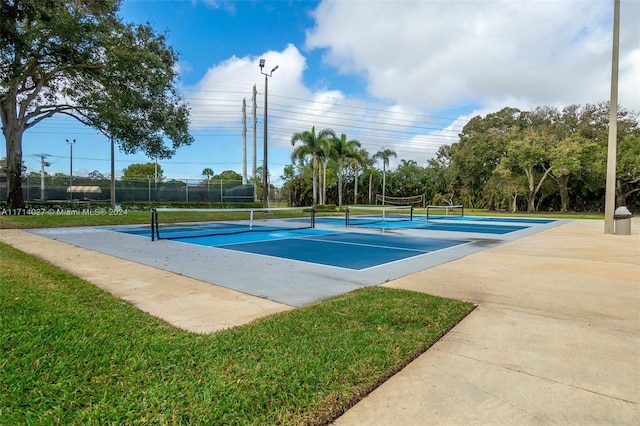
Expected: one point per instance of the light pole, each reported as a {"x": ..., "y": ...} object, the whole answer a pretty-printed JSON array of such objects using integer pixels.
[
  {"x": 71, "y": 142},
  {"x": 265, "y": 183},
  {"x": 610, "y": 188},
  {"x": 113, "y": 178}
]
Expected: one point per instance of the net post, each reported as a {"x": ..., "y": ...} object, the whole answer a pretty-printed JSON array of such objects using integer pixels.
[
  {"x": 313, "y": 216},
  {"x": 411, "y": 213},
  {"x": 152, "y": 225},
  {"x": 251, "y": 219},
  {"x": 155, "y": 216},
  {"x": 346, "y": 217}
]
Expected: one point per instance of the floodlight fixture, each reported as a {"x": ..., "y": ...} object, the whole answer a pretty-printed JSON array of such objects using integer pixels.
[{"x": 261, "y": 63}]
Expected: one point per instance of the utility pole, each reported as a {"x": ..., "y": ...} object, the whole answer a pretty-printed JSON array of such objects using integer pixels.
[
  {"x": 255, "y": 123},
  {"x": 244, "y": 141},
  {"x": 113, "y": 177},
  {"x": 43, "y": 164},
  {"x": 610, "y": 191},
  {"x": 73, "y": 141}
]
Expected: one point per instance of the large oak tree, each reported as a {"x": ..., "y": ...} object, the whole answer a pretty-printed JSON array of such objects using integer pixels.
[{"x": 77, "y": 58}]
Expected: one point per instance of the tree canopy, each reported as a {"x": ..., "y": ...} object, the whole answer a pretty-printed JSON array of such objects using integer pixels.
[
  {"x": 543, "y": 159},
  {"x": 78, "y": 59},
  {"x": 139, "y": 171},
  {"x": 312, "y": 145}
]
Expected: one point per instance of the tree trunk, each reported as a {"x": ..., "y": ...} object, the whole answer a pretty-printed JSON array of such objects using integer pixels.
[
  {"x": 340, "y": 166},
  {"x": 324, "y": 183},
  {"x": 621, "y": 196},
  {"x": 514, "y": 202},
  {"x": 314, "y": 179},
  {"x": 533, "y": 189},
  {"x": 563, "y": 183},
  {"x": 370, "y": 183},
  {"x": 531, "y": 195},
  {"x": 13, "y": 136},
  {"x": 384, "y": 181},
  {"x": 355, "y": 185}
]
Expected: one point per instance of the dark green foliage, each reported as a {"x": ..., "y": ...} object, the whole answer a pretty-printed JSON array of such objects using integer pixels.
[{"x": 77, "y": 58}]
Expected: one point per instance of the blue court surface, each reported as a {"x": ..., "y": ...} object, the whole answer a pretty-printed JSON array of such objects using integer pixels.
[
  {"x": 346, "y": 250},
  {"x": 349, "y": 250},
  {"x": 301, "y": 266},
  {"x": 470, "y": 224}
]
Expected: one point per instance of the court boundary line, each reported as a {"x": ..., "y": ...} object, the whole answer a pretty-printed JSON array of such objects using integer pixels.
[{"x": 374, "y": 245}]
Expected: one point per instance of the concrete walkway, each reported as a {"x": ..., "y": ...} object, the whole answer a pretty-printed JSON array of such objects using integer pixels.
[
  {"x": 187, "y": 303},
  {"x": 555, "y": 338}
]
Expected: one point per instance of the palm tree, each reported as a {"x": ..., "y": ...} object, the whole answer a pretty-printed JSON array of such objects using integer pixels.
[
  {"x": 312, "y": 145},
  {"x": 342, "y": 149},
  {"x": 384, "y": 154},
  {"x": 208, "y": 172},
  {"x": 359, "y": 157},
  {"x": 371, "y": 171}
]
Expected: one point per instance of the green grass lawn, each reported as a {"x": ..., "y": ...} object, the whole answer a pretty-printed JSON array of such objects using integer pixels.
[{"x": 74, "y": 354}]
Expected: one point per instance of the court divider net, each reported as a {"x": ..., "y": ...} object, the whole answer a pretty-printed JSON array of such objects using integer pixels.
[
  {"x": 368, "y": 215},
  {"x": 444, "y": 211},
  {"x": 179, "y": 223}
]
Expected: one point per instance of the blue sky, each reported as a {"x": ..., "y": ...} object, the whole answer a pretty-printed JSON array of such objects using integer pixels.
[{"x": 404, "y": 75}]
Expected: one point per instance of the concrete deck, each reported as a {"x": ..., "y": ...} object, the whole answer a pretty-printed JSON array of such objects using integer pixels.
[{"x": 555, "y": 338}]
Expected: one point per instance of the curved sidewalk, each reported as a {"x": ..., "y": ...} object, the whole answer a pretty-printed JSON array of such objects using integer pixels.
[{"x": 555, "y": 338}]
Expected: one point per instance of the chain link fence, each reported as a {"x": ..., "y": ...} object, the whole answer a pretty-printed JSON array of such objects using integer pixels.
[{"x": 133, "y": 190}]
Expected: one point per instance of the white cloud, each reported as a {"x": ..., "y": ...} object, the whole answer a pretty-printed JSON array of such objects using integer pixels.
[
  {"x": 464, "y": 58},
  {"x": 441, "y": 54},
  {"x": 217, "y": 99},
  {"x": 224, "y": 86}
]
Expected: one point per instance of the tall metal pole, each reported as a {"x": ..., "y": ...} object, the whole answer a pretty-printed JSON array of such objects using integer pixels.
[
  {"x": 71, "y": 168},
  {"x": 113, "y": 177},
  {"x": 255, "y": 122},
  {"x": 610, "y": 192},
  {"x": 43, "y": 164},
  {"x": 265, "y": 167},
  {"x": 265, "y": 180},
  {"x": 244, "y": 141}
]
